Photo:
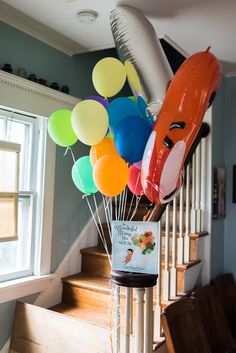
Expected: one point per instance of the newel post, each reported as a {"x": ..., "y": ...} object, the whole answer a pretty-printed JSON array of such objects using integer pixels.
[{"x": 143, "y": 284}]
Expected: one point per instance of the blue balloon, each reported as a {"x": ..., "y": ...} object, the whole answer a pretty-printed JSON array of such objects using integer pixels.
[
  {"x": 121, "y": 108},
  {"x": 131, "y": 137},
  {"x": 143, "y": 108}
]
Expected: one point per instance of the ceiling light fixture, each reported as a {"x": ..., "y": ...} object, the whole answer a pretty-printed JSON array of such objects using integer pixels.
[{"x": 87, "y": 16}]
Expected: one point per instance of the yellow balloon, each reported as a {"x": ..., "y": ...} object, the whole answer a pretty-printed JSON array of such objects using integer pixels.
[
  {"x": 133, "y": 77},
  {"x": 89, "y": 121},
  {"x": 106, "y": 146},
  {"x": 108, "y": 77}
]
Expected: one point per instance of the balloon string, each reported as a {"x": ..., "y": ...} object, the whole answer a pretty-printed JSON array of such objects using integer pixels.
[
  {"x": 107, "y": 216},
  {"x": 130, "y": 206},
  {"x": 138, "y": 198},
  {"x": 116, "y": 208},
  {"x": 101, "y": 227},
  {"x": 98, "y": 229},
  {"x": 108, "y": 208},
  {"x": 122, "y": 195},
  {"x": 125, "y": 203},
  {"x": 74, "y": 161}
]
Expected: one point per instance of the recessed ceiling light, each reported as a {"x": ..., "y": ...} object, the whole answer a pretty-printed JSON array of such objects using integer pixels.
[{"x": 87, "y": 16}]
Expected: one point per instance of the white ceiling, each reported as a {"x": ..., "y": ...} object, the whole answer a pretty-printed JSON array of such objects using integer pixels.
[{"x": 192, "y": 24}]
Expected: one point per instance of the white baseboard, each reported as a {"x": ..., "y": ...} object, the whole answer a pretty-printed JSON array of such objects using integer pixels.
[
  {"x": 71, "y": 263},
  {"x": 6, "y": 347}
]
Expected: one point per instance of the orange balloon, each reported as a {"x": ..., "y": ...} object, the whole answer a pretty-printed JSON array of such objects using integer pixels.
[
  {"x": 106, "y": 146},
  {"x": 111, "y": 174}
]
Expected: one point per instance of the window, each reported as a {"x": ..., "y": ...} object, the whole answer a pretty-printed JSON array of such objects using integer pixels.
[
  {"x": 9, "y": 190},
  {"x": 28, "y": 132}
]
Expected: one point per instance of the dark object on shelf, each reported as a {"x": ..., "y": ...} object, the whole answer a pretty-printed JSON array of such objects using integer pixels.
[
  {"x": 65, "y": 89},
  {"x": 32, "y": 77},
  {"x": 21, "y": 72},
  {"x": 55, "y": 86},
  {"x": 43, "y": 82},
  {"x": 7, "y": 68}
]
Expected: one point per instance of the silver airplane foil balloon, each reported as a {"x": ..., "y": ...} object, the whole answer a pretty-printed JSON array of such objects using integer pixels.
[{"x": 139, "y": 49}]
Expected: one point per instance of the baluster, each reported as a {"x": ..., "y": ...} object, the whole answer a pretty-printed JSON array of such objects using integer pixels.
[
  {"x": 131, "y": 312},
  {"x": 139, "y": 334},
  {"x": 180, "y": 241},
  {"x": 157, "y": 323},
  {"x": 187, "y": 218},
  {"x": 193, "y": 212},
  {"x": 173, "y": 272},
  {"x": 117, "y": 319},
  {"x": 166, "y": 289},
  {"x": 203, "y": 183},
  {"x": 148, "y": 323},
  {"x": 128, "y": 319},
  {"x": 198, "y": 188}
]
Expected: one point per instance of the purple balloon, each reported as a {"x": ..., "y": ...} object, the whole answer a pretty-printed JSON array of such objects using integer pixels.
[
  {"x": 138, "y": 164},
  {"x": 99, "y": 99}
]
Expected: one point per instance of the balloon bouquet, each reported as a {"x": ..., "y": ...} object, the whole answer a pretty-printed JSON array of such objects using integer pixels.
[{"x": 144, "y": 140}]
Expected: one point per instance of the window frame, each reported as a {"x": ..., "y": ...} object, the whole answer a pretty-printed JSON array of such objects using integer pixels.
[
  {"x": 35, "y": 189},
  {"x": 26, "y": 96}
]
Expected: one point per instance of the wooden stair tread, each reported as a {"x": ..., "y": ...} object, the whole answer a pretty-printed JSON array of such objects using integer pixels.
[
  {"x": 95, "y": 250},
  {"x": 87, "y": 315},
  {"x": 89, "y": 281},
  {"x": 182, "y": 267},
  {"x": 100, "y": 251}
]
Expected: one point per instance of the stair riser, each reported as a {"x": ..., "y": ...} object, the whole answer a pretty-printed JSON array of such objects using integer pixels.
[
  {"x": 96, "y": 265},
  {"x": 180, "y": 281},
  {"x": 193, "y": 246},
  {"x": 93, "y": 300},
  {"x": 86, "y": 298}
]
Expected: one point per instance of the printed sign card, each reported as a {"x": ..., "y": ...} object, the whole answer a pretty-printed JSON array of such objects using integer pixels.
[{"x": 134, "y": 246}]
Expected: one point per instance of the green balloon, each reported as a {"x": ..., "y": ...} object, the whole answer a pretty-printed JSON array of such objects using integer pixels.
[
  {"x": 135, "y": 242},
  {"x": 60, "y": 129},
  {"x": 110, "y": 134},
  {"x": 82, "y": 175},
  {"x": 149, "y": 251},
  {"x": 133, "y": 98}
]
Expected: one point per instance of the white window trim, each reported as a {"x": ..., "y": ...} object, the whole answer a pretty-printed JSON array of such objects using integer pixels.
[{"x": 26, "y": 96}]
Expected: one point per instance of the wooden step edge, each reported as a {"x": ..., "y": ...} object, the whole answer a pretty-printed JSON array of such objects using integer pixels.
[
  {"x": 184, "y": 266},
  {"x": 192, "y": 235},
  {"x": 89, "y": 284},
  {"x": 83, "y": 315},
  {"x": 198, "y": 235},
  {"x": 95, "y": 250},
  {"x": 158, "y": 344}
]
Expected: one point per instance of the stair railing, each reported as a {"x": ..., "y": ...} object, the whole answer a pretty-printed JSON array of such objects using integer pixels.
[{"x": 183, "y": 216}]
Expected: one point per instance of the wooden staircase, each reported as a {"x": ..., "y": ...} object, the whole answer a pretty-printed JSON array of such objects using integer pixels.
[{"x": 88, "y": 295}]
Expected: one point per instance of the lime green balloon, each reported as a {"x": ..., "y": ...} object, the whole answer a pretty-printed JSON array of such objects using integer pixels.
[
  {"x": 110, "y": 134},
  {"x": 60, "y": 129},
  {"x": 133, "y": 98},
  {"x": 90, "y": 121},
  {"x": 82, "y": 176}
]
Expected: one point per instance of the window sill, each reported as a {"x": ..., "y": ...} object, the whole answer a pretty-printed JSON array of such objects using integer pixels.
[{"x": 23, "y": 287}]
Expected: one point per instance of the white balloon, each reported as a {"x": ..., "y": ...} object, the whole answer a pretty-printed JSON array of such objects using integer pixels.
[{"x": 139, "y": 48}]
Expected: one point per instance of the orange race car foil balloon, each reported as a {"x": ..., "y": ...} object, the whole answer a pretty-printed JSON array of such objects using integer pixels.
[{"x": 177, "y": 125}]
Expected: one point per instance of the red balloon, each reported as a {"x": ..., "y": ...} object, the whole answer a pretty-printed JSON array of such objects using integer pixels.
[{"x": 134, "y": 183}]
